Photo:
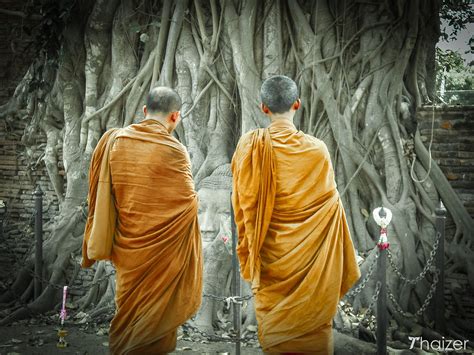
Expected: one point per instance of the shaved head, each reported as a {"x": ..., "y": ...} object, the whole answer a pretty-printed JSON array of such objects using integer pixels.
[
  {"x": 163, "y": 100},
  {"x": 278, "y": 93}
]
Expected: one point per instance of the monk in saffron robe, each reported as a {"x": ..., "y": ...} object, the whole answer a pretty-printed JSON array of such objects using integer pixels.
[
  {"x": 294, "y": 242},
  {"x": 156, "y": 248}
]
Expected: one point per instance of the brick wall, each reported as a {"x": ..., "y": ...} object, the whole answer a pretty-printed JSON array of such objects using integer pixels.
[
  {"x": 21, "y": 171},
  {"x": 453, "y": 146},
  {"x": 453, "y": 150},
  {"x": 19, "y": 175}
]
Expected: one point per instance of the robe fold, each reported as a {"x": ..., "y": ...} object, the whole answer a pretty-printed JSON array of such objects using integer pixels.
[
  {"x": 98, "y": 237},
  {"x": 157, "y": 244},
  {"x": 294, "y": 242}
]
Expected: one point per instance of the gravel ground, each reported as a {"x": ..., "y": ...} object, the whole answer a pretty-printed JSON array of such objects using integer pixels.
[{"x": 30, "y": 337}]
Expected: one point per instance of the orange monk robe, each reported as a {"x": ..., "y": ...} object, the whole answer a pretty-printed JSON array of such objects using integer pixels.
[
  {"x": 157, "y": 246},
  {"x": 294, "y": 242}
]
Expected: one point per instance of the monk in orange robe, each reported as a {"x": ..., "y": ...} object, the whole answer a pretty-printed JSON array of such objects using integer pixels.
[
  {"x": 294, "y": 243},
  {"x": 142, "y": 193}
]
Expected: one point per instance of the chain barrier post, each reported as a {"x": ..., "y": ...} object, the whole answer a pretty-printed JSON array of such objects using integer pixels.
[
  {"x": 62, "y": 343},
  {"x": 3, "y": 213},
  {"x": 235, "y": 280},
  {"x": 382, "y": 217},
  {"x": 440, "y": 323},
  {"x": 38, "y": 194}
]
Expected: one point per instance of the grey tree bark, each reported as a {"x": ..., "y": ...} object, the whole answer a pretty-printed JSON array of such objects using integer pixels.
[{"x": 363, "y": 69}]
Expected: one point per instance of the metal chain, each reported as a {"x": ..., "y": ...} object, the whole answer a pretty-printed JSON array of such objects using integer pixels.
[
  {"x": 430, "y": 294},
  {"x": 397, "y": 306},
  {"x": 231, "y": 299},
  {"x": 364, "y": 282},
  {"x": 425, "y": 304},
  {"x": 428, "y": 266},
  {"x": 239, "y": 300},
  {"x": 217, "y": 338},
  {"x": 374, "y": 299}
]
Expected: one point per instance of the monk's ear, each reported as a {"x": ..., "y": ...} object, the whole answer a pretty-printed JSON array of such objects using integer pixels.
[
  {"x": 297, "y": 104},
  {"x": 144, "y": 110},
  {"x": 174, "y": 116},
  {"x": 264, "y": 109}
]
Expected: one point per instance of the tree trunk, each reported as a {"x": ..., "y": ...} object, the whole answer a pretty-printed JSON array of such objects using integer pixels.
[{"x": 363, "y": 69}]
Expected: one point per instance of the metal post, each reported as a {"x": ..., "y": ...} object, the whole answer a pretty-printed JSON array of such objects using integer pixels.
[
  {"x": 3, "y": 212},
  {"x": 382, "y": 304},
  {"x": 382, "y": 218},
  {"x": 39, "y": 240},
  {"x": 235, "y": 280},
  {"x": 440, "y": 323}
]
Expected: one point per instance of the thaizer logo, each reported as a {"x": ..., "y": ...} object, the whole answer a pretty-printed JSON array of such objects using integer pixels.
[{"x": 438, "y": 344}]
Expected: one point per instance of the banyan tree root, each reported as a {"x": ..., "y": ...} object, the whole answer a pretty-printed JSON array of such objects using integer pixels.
[{"x": 362, "y": 68}]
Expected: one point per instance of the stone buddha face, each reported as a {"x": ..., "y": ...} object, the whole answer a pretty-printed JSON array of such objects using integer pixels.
[
  {"x": 214, "y": 223},
  {"x": 214, "y": 205},
  {"x": 214, "y": 210}
]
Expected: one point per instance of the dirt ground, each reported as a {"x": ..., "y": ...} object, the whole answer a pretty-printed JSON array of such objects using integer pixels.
[{"x": 41, "y": 339}]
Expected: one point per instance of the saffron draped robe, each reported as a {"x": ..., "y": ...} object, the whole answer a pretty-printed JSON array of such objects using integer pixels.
[
  {"x": 294, "y": 242},
  {"x": 156, "y": 250}
]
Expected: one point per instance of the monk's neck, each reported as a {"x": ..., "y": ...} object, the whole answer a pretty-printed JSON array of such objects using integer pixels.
[
  {"x": 159, "y": 121},
  {"x": 282, "y": 121},
  {"x": 282, "y": 124},
  {"x": 281, "y": 118},
  {"x": 288, "y": 116}
]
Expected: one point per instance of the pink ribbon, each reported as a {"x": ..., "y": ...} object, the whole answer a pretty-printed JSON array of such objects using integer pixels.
[{"x": 63, "y": 308}]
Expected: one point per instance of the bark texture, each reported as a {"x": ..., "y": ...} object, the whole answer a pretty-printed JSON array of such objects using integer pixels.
[{"x": 363, "y": 69}]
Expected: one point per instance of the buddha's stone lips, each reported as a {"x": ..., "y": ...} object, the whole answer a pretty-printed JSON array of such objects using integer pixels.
[{"x": 208, "y": 236}]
